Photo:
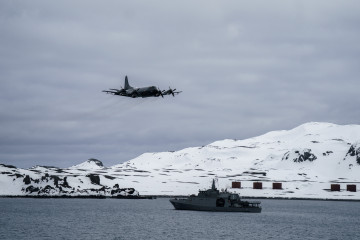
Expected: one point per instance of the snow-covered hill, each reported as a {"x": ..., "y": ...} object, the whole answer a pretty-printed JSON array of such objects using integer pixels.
[
  {"x": 91, "y": 164},
  {"x": 85, "y": 179},
  {"x": 306, "y": 160}
]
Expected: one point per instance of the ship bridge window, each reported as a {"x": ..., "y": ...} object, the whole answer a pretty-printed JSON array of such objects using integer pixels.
[{"x": 233, "y": 196}]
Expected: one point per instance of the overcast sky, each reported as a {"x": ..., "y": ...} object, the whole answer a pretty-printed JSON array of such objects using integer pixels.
[{"x": 245, "y": 68}]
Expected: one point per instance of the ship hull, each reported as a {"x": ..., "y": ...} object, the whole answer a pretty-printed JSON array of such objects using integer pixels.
[{"x": 181, "y": 204}]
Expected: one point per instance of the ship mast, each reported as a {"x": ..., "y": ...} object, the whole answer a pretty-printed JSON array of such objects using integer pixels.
[{"x": 213, "y": 185}]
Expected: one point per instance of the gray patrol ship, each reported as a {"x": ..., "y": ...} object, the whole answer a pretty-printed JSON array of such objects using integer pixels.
[{"x": 216, "y": 201}]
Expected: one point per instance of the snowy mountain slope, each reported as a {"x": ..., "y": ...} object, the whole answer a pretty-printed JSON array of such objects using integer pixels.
[
  {"x": 92, "y": 164},
  {"x": 306, "y": 160}
]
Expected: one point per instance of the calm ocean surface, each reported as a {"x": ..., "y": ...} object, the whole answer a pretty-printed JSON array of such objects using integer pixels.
[{"x": 156, "y": 219}]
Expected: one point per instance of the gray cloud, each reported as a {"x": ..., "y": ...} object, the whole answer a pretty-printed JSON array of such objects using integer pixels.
[{"x": 244, "y": 68}]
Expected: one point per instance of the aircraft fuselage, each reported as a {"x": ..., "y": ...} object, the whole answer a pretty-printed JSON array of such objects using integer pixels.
[{"x": 142, "y": 92}]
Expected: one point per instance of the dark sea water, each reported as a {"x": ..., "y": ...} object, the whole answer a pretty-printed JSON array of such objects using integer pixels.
[{"x": 156, "y": 219}]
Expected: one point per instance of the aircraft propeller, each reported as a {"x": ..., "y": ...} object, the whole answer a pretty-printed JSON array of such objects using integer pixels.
[
  {"x": 170, "y": 91},
  {"x": 161, "y": 92}
]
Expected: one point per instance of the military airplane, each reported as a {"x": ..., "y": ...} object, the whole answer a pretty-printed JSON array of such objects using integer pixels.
[{"x": 129, "y": 91}]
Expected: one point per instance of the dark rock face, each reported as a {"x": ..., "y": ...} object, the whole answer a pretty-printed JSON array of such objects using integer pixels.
[
  {"x": 45, "y": 177},
  {"x": 327, "y": 153},
  {"x": 122, "y": 190},
  {"x": 97, "y": 162},
  {"x": 59, "y": 185},
  {"x": 307, "y": 156},
  {"x": 95, "y": 179},
  {"x": 354, "y": 151},
  {"x": 31, "y": 189},
  {"x": 8, "y": 166},
  {"x": 65, "y": 183},
  {"x": 56, "y": 180},
  {"x": 46, "y": 190},
  {"x": 300, "y": 156},
  {"x": 27, "y": 180},
  {"x": 101, "y": 190},
  {"x": 17, "y": 175},
  {"x": 109, "y": 177}
]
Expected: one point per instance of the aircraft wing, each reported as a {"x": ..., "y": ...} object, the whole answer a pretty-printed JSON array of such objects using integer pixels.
[{"x": 110, "y": 92}]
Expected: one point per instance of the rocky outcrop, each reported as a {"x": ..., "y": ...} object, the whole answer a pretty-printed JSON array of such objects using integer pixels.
[
  {"x": 122, "y": 191},
  {"x": 354, "y": 151},
  {"x": 7, "y": 166},
  {"x": 27, "y": 180},
  {"x": 92, "y": 163},
  {"x": 41, "y": 181},
  {"x": 96, "y": 162},
  {"x": 57, "y": 185},
  {"x": 299, "y": 156},
  {"x": 95, "y": 179}
]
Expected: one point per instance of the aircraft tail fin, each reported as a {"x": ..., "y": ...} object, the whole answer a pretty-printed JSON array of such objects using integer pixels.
[{"x": 127, "y": 85}]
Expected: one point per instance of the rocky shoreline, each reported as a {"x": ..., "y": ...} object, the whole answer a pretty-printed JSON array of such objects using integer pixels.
[
  {"x": 171, "y": 196},
  {"x": 79, "y": 196}
]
